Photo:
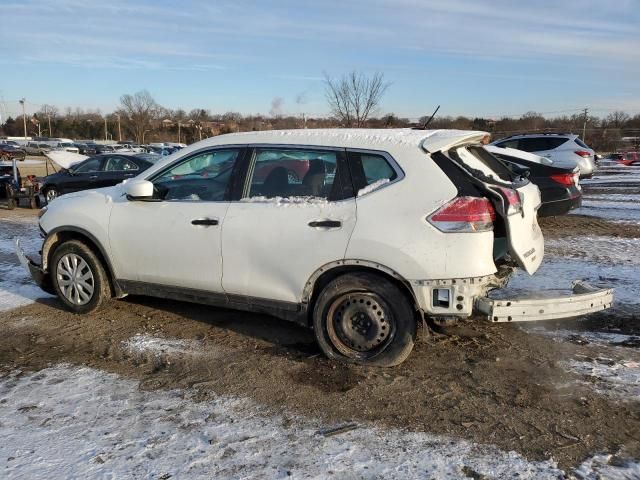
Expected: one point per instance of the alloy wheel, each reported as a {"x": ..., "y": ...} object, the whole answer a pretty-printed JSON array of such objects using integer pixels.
[{"x": 75, "y": 279}]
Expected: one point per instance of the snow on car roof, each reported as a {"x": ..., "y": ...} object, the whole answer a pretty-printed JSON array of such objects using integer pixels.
[{"x": 431, "y": 140}]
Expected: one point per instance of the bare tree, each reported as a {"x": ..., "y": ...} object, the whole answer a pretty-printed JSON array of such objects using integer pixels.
[
  {"x": 139, "y": 109},
  {"x": 354, "y": 97},
  {"x": 617, "y": 119}
]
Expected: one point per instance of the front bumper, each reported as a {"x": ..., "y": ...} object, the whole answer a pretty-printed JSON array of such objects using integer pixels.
[
  {"x": 585, "y": 299},
  {"x": 42, "y": 278}
]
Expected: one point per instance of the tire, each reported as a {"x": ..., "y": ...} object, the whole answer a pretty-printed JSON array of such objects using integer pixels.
[
  {"x": 364, "y": 318},
  {"x": 11, "y": 203},
  {"x": 50, "y": 194},
  {"x": 74, "y": 253}
]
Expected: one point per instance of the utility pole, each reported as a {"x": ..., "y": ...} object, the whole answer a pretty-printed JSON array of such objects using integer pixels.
[
  {"x": 105, "y": 128},
  {"x": 24, "y": 117},
  {"x": 119, "y": 130},
  {"x": 584, "y": 126},
  {"x": 46, "y": 110}
]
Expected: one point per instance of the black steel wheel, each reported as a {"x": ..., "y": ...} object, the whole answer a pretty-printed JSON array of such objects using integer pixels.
[{"x": 364, "y": 318}]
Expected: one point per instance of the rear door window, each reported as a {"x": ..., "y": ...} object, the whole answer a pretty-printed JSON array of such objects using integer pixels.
[
  {"x": 299, "y": 173},
  {"x": 119, "y": 164},
  {"x": 91, "y": 165}
]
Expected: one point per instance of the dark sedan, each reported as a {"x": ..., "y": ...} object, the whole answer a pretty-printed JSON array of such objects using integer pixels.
[
  {"x": 96, "y": 172},
  {"x": 559, "y": 190},
  {"x": 9, "y": 152}
]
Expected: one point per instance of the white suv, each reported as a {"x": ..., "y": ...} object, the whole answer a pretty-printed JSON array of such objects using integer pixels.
[
  {"x": 565, "y": 150},
  {"x": 359, "y": 234}
]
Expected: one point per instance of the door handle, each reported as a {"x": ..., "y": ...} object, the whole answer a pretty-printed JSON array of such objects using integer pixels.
[
  {"x": 128, "y": 174},
  {"x": 93, "y": 177},
  {"x": 325, "y": 224},
  {"x": 205, "y": 221}
]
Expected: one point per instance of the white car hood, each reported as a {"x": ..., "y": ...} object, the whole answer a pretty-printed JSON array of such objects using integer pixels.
[{"x": 65, "y": 159}]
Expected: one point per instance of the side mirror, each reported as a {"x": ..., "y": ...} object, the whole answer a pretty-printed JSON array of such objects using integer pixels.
[{"x": 138, "y": 190}]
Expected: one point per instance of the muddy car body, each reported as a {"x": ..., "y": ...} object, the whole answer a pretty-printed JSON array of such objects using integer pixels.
[{"x": 386, "y": 227}]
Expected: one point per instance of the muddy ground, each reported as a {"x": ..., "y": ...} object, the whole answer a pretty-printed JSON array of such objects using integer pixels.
[{"x": 492, "y": 384}]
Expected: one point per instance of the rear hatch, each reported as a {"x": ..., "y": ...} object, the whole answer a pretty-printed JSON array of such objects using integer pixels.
[{"x": 515, "y": 199}]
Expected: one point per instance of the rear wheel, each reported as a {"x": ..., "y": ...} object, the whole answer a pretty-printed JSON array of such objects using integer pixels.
[
  {"x": 363, "y": 318},
  {"x": 78, "y": 277}
]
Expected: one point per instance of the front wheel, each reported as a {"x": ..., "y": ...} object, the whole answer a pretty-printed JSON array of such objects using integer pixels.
[
  {"x": 50, "y": 194},
  {"x": 78, "y": 277},
  {"x": 366, "y": 319}
]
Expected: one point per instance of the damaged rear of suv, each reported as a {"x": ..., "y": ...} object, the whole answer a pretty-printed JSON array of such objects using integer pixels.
[{"x": 358, "y": 234}]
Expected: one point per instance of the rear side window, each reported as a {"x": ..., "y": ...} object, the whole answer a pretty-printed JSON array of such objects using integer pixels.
[
  {"x": 299, "y": 173},
  {"x": 540, "y": 144},
  {"x": 581, "y": 143},
  {"x": 536, "y": 144},
  {"x": 369, "y": 168},
  {"x": 508, "y": 144}
]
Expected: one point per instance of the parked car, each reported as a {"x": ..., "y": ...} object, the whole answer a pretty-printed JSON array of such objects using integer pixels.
[
  {"x": 9, "y": 152},
  {"x": 94, "y": 172},
  {"x": 37, "y": 148},
  {"x": 387, "y": 227},
  {"x": 66, "y": 146},
  {"x": 85, "y": 148},
  {"x": 566, "y": 150},
  {"x": 629, "y": 158},
  {"x": 560, "y": 191},
  {"x": 104, "y": 148}
]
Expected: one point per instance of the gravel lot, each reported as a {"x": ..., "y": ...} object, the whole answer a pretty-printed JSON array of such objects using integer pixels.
[{"x": 155, "y": 388}]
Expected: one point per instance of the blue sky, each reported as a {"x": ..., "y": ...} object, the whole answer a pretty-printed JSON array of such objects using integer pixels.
[{"x": 474, "y": 57}]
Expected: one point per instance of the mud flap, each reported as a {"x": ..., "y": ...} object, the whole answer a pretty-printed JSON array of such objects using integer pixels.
[
  {"x": 39, "y": 276},
  {"x": 585, "y": 299}
]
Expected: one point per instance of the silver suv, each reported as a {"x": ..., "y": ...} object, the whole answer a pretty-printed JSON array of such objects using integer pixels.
[{"x": 566, "y": 150}]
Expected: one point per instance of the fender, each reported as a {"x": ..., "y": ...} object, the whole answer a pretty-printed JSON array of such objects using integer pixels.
[
  {"x": 309, "y": 286},
  {"x": 54, "y": 236}
]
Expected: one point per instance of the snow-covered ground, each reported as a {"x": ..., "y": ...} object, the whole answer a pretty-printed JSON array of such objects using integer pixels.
[
  {"x": 16, "y": 287},
  {"x": 70, "y": 422}
]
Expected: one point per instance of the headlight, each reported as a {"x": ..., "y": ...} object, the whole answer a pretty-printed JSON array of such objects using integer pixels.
[{"x": 42, "y": 211}]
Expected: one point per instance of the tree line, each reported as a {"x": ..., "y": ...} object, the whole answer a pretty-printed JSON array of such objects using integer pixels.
[{"x": 353, "y": 101}]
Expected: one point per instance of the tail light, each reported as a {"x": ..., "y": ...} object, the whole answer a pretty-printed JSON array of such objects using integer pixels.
[
  {"x": 567, "y": 179},
  {"x": 514, "y": 205},
  {"x": 464, "y": 214},
  {"x": 583, "y": 153}
]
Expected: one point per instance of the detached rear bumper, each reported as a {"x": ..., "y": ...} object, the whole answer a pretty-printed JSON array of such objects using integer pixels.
[
  {"x": 585, "y": 299},
  {"x": 42, "y": 278}
]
